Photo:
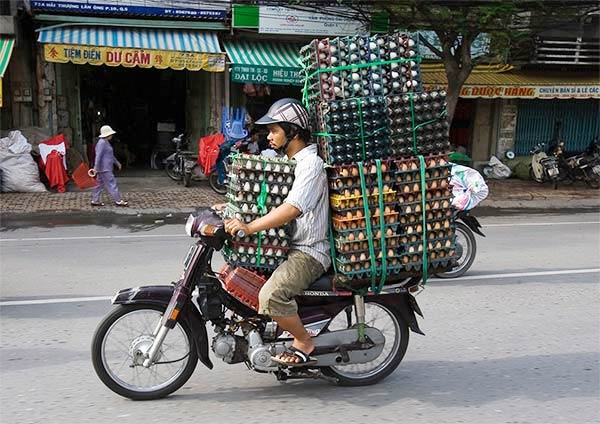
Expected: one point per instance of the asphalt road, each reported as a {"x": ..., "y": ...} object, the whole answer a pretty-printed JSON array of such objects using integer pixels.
[{"x": 514, "y": 341}]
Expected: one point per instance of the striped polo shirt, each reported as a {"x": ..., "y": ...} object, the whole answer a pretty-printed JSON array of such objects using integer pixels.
[{"x": 310, "y": 195}]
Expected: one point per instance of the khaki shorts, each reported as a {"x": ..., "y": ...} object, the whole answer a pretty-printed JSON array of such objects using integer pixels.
[{"x": 291, "y": 278}]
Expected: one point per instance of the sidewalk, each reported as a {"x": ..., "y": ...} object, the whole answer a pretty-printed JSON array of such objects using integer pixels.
[{"x": 152, "y": 192}]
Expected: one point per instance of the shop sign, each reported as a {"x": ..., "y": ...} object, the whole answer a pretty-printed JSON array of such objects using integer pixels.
[
  {"x": 166, "y": 8},
  {"x": 284, "y": 20},
  {"x": 528, "y": 92},
  {"x": 113, "y": 56},
  {"x": 266, "y": 75}
]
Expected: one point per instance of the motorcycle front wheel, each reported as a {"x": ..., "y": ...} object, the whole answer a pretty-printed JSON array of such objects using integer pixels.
[
  {"x": 117, "y": 353},
  {"x": 389, "y": 321},
  {"x": 213, "y": 181},
  {"x": 172, "y": 172},
  {"x": 466, "y": 249}
]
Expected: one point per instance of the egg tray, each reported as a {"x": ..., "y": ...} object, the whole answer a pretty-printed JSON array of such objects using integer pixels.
[
  {"x": 265, "y": 269},
  {"x": 342, "y": 202},
  {"x": 257, "y": 177},
  {"x": 271, "y": 202},
  {"x": 339, "y": 223},
  {"x": 342, "y": 243},
  {"x": 259, "y": 163},
  {"x": 267, "y": 240},
  {"x": 331, "y": 158},
  {"x": 369, "y": 169},
  {"x": 440, "y": 190},
  {"x": 236, "y": 245}
]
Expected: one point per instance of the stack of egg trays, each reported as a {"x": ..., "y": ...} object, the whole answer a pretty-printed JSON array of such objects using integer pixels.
[
  {"x": 247, "y": 175},
  {"x": 350, "y": 233},
  {"x": 440, "y": 226},
  {"x": 431, "y": 127},
  {"x": 400, "y": 77},
  {"x": 339, "y": 123}
]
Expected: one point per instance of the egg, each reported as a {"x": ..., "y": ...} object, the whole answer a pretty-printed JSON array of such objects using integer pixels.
[
  {"x": 344, "y": 172},
  {"x": 361, "y": 235}
]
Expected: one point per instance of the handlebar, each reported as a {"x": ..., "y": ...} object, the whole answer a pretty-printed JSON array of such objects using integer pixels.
[{"x": 221, "y": 214}]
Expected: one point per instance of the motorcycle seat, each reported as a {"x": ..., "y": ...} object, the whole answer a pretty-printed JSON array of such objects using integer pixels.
[{"x": 323, "y": 283}]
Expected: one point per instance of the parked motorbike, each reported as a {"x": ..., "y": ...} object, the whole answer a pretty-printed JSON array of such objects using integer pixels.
[
  {"x": 543, "y": 167},
  {"x": 582, "y": 167},
  {"x": 218, "y": 179},
  {"x": 466, "y": 244},
  {"x": 149, "y": 345},
  {"x": 181, "y": 165}
]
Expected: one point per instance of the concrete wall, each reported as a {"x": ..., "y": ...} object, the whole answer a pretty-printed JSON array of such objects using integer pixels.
[
  {"x": 506, "y": 127},
  {"x": 204, "y": 99}
]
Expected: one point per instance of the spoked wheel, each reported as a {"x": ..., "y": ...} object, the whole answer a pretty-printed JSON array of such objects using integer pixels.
[
  {"x": 213, "y": 181},
  {"x": 466, "y": 249},
  {"x": 118, "y": 353},
  {"x": 534, "y": 177},
  {"x": 386, "y": 319},
  {"x": 172, "y": 172}
]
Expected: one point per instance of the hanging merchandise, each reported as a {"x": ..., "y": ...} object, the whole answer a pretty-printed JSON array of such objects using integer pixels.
[{"x": 386, "y": 144}]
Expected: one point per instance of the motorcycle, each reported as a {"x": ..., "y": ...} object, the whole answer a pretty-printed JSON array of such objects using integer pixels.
[
  {"x": 466, "y": 244},
  {"x": 181, "y": 165},
  {"x": 582, "y": 167},
  {"x": 543, "y": 167},
  {"x": 148, "y": 346},
  {"x": 218, "y": 179}
]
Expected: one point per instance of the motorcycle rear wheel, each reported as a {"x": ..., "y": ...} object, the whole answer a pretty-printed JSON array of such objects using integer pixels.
[
  {"x": 118, "y": 339},
  {"x": 466, "y": 247},
  {"x": 173, "y": 174},
  {"x": 389, "y": 321},
  {"x": 213, "y": 181}
]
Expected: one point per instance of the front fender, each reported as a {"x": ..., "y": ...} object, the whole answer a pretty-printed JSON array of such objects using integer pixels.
[{"x": 160, "y": 296}]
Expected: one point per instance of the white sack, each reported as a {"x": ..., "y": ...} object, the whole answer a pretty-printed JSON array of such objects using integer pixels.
[
  {"x": 498, "y": 169},
  {"x": 19, "y": 171},
  {"x": 468, "y": 187}
]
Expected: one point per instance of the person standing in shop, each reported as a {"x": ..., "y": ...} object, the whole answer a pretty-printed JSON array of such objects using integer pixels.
[{"x": 103, "y": 169}]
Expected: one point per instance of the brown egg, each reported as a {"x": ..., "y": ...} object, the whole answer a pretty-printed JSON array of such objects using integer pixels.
[
  {"x": 376, "y": 213},
  {"x": 353, "y": 225},
  {"x": 339, "y": 184},
  {"x": 356, "y": 192},
  {"x": 363, "y": 256},
  {"x": 405, "y": 259},
  {"x": 418, "y": 208},
  {"x": 375, "y": 191},
  {"x": 445, "y": 204},
  {"x": 361, "y": 235},
  {"x": 344, "y": 172},
  {"x": 416, "y": 187},
  {"x": 409, "y": 229},
  {"x": 346, "y": 247},
  {"x": 446, "y": 224},
  {"x": 408, "y": 178},
  {"x": 348, "y": 268},
  {"x": 400, "y": 199},
  {"x": 404, "y": 240},
  {"x": 433, "y": 255},
  {"x": 389, "y": 232},
  {"x": 387, "y": 210},
  {"x": 404, "y": 167},
  {"x": 391, "y": 219},
  {"x": 431, "y": 236},
  {"x": 448, "y": 243},
  {"x": 419, "y": 228},
  {"x": 442, "y": 162},
  {"x": 351, "y": 236},
  {"x": 347, "y": 193},
  {"x": 411, "y": 249},
  {"x": 349, "y": 215},
  {"x": 433, "y": 184},
  {"x": 437, "y": 226},
  {"x": 414, "y": 166},
  {"x": 359, "y": 213},
  {"x": 352, "y": 258},
  {"x": 357, "y": 267},
  {"x": 386, "y": 188}
]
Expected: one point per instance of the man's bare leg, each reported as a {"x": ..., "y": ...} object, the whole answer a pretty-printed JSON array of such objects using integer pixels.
[{"x": 302, "y": 340}]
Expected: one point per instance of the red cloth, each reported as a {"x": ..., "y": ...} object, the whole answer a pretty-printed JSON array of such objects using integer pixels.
[
  {"x": 55, "y": 171},
  {"x": 208, "y": 151}
]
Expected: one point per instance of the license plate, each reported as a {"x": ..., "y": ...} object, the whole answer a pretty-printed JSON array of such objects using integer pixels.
[
  {"x": 596, "y": 169},
  {"x": 553, "y": 172}
]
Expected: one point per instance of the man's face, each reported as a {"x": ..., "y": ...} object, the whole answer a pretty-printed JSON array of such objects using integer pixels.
[{"x": 276, "y": 136}]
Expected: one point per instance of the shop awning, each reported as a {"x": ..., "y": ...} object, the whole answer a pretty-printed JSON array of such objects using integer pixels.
[
  {"x": 264, "y": 62},
  {"x": 6, "y": 48},
  {"x": 521, "y": 84},
  {"x": 129, "y": 47}
]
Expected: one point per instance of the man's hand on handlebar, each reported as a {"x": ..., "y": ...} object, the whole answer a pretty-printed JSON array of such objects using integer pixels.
[
  {"x": 219, "y": 206},
  {"x": 236, "y": 227}
]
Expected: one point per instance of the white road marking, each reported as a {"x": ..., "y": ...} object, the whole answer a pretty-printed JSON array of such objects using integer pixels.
[
  {"x": 129, "y": 236},
  {"x": 47, "y": 301},
  {"x": 519, "y": 274},
  {"x": 533, "y": 224},
  {"x": 472, "y": 277}
]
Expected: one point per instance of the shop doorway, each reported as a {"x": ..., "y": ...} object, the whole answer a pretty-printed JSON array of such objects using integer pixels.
[
  {"x": 461, "y": 131},
  {"x": 145, "y": 106}
]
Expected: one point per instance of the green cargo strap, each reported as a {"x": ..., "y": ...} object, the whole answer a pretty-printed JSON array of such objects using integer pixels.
[
  {"x": 414, "y": 129},
  {"x": 423, "y": 204},
  {"x": 378, "y": 289},
  {"x": 261, "y": 202},
  {"x": 362, "y": 130},
  {"x": 368, "y": 221}
]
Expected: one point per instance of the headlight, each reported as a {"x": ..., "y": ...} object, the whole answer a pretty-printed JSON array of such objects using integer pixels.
[{"x": 189, "y": 226}]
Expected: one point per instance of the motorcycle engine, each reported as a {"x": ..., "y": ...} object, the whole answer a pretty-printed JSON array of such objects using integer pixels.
[{"x": 229, "y": 347}]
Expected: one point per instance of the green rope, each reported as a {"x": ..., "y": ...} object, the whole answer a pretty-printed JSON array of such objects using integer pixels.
[
  {"x": 423, "y": 204},
  {"x": 414, "y": 130},
  {"x": 368, "y": 221},
  {"x": 261, "y": 202},
  {"x": 378, "y": 289}
]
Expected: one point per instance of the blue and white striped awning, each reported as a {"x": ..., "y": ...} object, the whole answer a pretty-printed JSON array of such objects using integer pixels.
[{"x": 135, "y": 38}]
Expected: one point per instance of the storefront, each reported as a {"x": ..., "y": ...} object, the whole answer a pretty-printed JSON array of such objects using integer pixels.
[
  {"x": 139, "y": 80},
  {"x": 514, "y": 110}
]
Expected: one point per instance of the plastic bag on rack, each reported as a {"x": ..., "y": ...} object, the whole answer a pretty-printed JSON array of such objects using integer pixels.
[{"x": 468, "y": 187}]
